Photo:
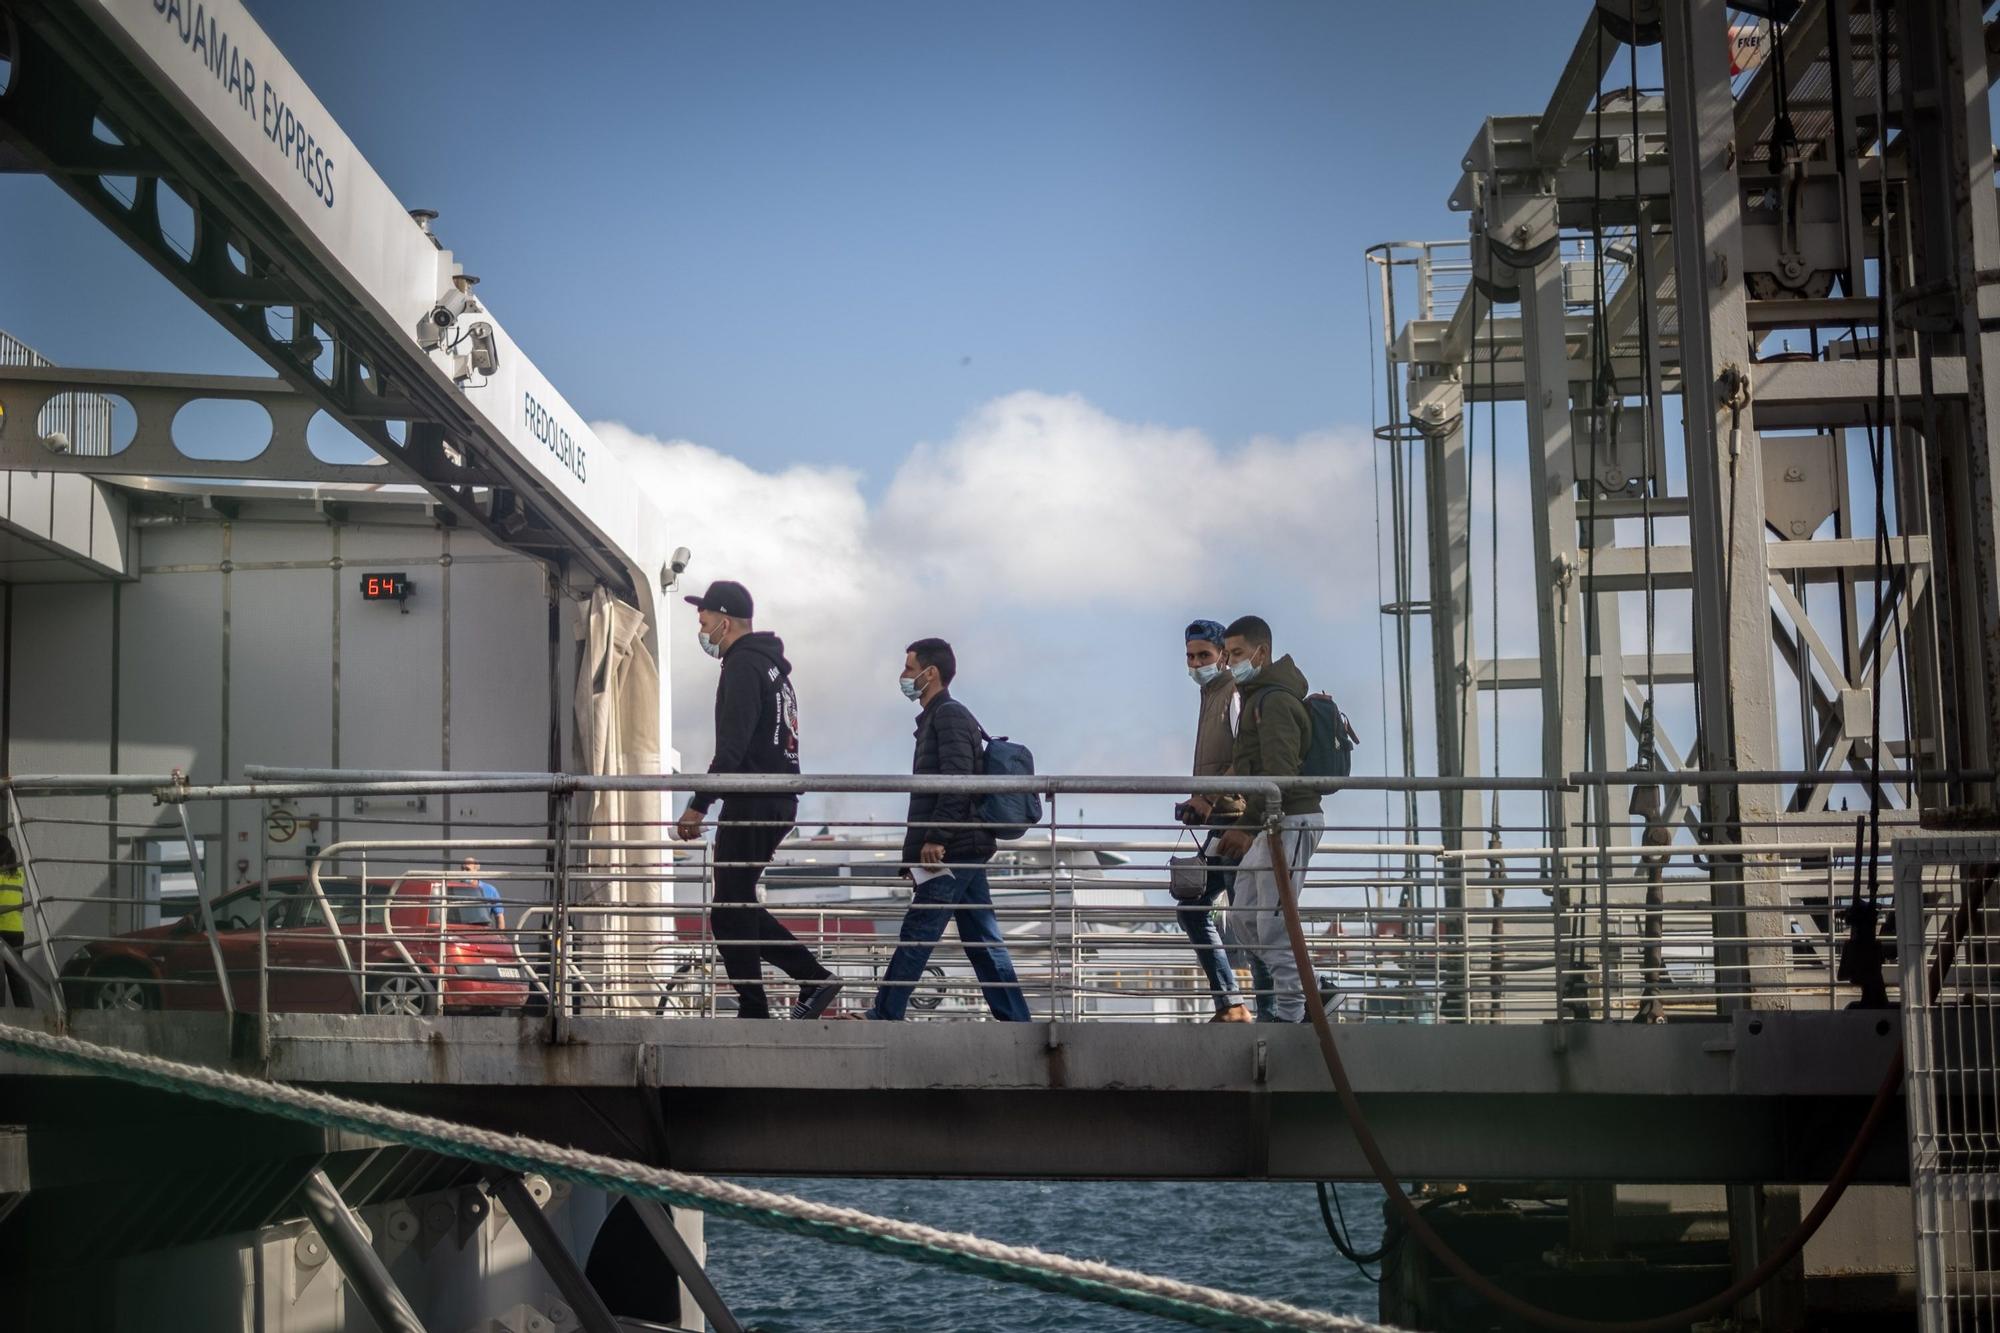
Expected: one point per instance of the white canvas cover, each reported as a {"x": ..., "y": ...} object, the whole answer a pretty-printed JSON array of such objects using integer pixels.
[{"x": 620, "y": 959}]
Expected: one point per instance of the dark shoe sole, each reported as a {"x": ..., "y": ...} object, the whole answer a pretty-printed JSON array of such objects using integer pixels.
[{"x": 815, "y": 1004}]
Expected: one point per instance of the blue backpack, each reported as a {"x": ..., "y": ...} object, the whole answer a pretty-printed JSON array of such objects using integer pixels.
[
  {"x": 1008, "y": 815},
  {"x": 1330, "y": 740},
  {"x": 1330, "y": 748}
]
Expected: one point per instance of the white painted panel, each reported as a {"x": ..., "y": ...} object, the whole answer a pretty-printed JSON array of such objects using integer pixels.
[
  {"x": 500, "y": 704},
  {"x": 180, "y": 544},
  {"x": 70, "y": 511},
  {"x": 107, "y": 527},
  {"x": 295, "y": 535},
  {"x": 60, "y": 715},
  {"x": 391, "y": 686},
  {"x": 28, "y": 505},
  {"x": 281, "y": 667},
  {"x": 170, "y": 674},
  {"x": 61, "y": 690},
  {"x": 499, "y": 657}
]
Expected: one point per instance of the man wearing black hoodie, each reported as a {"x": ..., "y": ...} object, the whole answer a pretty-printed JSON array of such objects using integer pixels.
[{"x": 756, "y": 731}]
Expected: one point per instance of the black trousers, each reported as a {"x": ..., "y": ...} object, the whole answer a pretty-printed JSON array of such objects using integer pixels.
[
  {"x": 746, "y": 933},
  {"x": 14, "y": 989}
]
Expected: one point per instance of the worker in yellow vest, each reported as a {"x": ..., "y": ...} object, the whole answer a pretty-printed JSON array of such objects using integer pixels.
[{"x": 13, "y": 894}]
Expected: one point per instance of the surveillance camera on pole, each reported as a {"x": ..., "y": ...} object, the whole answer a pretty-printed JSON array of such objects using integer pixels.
[
  {"x": 670, "y": 576},
  {"x": 439, "y": 319}
]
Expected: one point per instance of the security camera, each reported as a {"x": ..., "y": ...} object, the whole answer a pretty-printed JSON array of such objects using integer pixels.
[
  {"x": 485, "y": 355},
  {"x": 671, "y": 575},
  {"x": 57, "y": 442},
  {"x": 448, "y": 308}
]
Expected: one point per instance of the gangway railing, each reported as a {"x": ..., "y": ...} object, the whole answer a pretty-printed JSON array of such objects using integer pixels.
[{"x": 563, "y": 914}]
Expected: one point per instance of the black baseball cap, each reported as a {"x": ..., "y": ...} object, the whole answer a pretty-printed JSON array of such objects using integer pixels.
[{"x": 725, "y": 598}]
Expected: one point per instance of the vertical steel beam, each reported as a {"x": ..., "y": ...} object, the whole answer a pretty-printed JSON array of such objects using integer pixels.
[
  {"x": 553, "y": 1255},
  {"x": 199, "y": 871},
  {"x": 1736, "y": 724},
  {"x": 359, "y": 1264},
  {"x": 1558, "y": 601},
  {"x": 1942, "y": 54},
  {"x": 661, "y": 1226},
  {"x": 1734, "y": 704},
  {"x": 1448, "y": 522}
]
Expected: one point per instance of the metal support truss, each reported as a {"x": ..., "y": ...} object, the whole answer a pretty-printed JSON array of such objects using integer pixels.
[
  {"x": 156, "y": 400},
  {"x": 660, "y": 1225},
  {"x": 352, "y": 1251},
  {"x": 551, "y": 1253},
  {"x": 76, "y": 111}
]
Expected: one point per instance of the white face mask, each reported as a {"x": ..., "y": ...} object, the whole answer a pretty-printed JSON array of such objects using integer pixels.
[
  {"x": 1204, "y": 674},
  {"x": 1244, "y": 671}
]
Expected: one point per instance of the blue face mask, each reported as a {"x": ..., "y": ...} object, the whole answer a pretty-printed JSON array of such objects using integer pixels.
[
  {"x": 1243, "y": 671},
  {"x": 911, "y": 691},
  {"x": 1202, "y": 675},
  {"x": 708, "y": 645}
]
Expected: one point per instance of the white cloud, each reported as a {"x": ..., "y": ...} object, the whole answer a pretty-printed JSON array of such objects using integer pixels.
[
  {"x": 1059, "y": 547},
  {"x": 1047, "y": 501}
]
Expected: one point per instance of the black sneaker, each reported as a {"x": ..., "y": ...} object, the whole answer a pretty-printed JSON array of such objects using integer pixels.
[{"x": 814, "y": 999}]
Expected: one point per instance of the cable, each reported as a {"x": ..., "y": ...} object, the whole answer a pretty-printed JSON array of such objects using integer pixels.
[
  {"x": 1082, "y": 1278},
  {"x": 1885, "y": 349},
  {"x": 1469, "y": 689},
  {"x": 1641, "y": 244},
  {"x": 1375, "y": 472},
  {"x": 1411, "y": 1216},
  {"x": 1338, "y": 1234}
]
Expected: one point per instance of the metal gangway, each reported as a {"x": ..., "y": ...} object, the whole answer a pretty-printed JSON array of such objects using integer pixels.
[{"x": 574, "y": 914}]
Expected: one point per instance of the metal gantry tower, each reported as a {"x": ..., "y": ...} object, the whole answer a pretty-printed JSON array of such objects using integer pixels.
[{"x": 1745, "y": 314}]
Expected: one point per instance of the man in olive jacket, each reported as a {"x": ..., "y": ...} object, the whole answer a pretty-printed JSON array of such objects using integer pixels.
[{"x": 1271, "y": 738}]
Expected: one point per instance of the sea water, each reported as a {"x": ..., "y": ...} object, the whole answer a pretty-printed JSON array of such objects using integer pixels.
[{"x": 1258, "y": 1238}]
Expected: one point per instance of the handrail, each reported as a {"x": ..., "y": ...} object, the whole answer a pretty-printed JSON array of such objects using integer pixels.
[{"x": 1413, "y": 929}]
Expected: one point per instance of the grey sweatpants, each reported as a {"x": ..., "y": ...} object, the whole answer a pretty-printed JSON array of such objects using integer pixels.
[{"x": 1258, "y": 917}]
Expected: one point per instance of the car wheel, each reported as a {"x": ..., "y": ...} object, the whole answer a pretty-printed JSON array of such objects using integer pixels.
[
  {"x": 403, "y": 993},
  {"x": 124, "y": 992}
]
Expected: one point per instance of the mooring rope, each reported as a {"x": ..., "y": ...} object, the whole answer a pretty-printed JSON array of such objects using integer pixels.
[{"x": 1085, "y": 1279}]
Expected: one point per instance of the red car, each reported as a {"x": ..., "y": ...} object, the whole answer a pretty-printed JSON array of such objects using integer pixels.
[{"x": 427, "y": 945}]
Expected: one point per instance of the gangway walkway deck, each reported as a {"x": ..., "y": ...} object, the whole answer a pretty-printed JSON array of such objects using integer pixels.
[{"x": 1757, "y": 1097}]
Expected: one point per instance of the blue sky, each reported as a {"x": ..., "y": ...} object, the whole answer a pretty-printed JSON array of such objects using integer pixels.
[
  {"x": 783, "y": 229},
  {"x": 818, "y": 256}
]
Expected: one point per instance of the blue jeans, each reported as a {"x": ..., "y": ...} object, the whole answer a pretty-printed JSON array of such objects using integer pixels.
[
  {"x": 1202, "y": 932},
  {"x": 960, "y": 896}
]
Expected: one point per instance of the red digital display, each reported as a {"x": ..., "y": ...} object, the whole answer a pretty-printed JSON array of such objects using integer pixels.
[{"x": 385, "y": 587}]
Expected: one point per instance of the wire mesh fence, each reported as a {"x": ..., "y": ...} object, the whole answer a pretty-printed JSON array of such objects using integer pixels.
[{"x": 1949, "y": 937}]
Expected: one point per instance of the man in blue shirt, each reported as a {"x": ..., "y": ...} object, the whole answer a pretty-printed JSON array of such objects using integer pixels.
[{"x": 498, "y": 919}]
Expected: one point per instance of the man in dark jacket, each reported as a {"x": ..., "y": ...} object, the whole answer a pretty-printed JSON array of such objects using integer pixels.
[
  {"x": 756, "y": 731},
  {"x": 944, "y": 852},
  {"x": 1272, "y": 734}
]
